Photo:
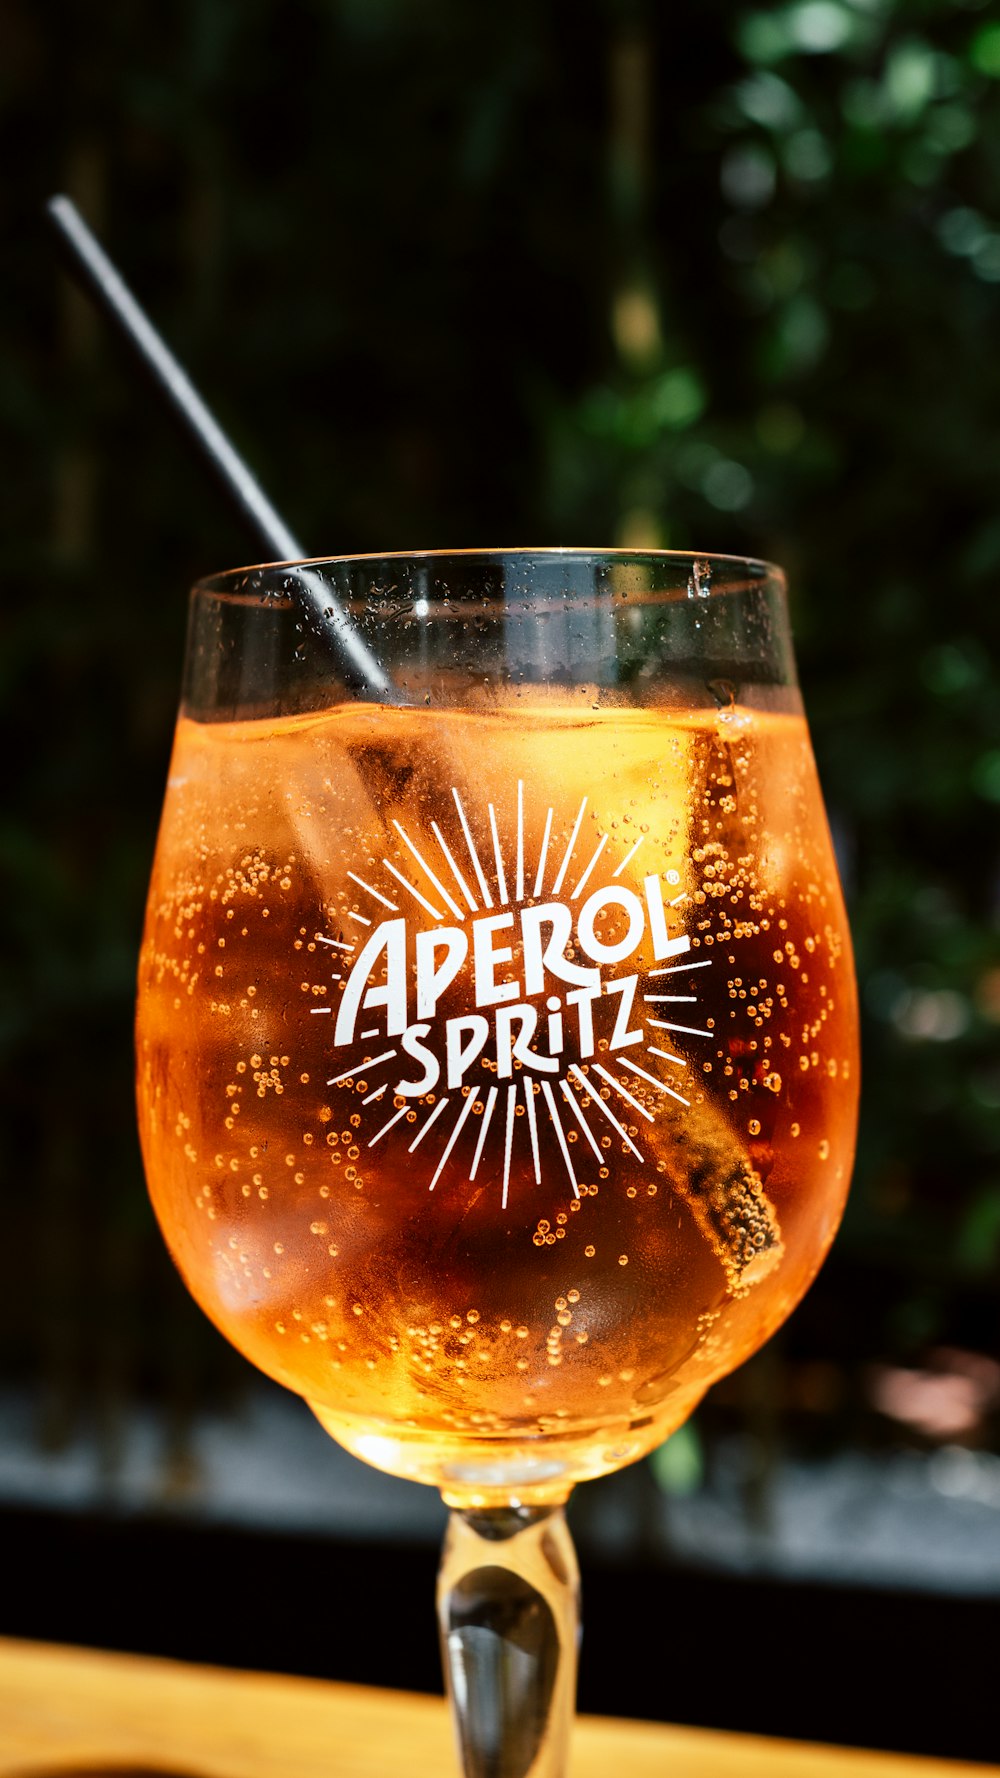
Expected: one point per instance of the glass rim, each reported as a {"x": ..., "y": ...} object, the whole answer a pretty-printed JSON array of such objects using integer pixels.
[{"x": 216, "y": 583}]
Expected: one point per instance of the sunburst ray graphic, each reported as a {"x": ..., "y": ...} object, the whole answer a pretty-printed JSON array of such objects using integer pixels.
[{"x": 566, "y": 1121}]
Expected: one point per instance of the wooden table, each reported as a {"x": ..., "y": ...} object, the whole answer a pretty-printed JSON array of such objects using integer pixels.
[{"x": 70, "y": 1711}]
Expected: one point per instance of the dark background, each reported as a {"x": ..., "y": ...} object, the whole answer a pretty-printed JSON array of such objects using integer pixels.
[{"x": 721, "y": 276}]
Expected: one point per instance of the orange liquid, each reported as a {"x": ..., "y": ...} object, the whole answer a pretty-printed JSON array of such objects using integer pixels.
[{"x": 497, "y": 1073}]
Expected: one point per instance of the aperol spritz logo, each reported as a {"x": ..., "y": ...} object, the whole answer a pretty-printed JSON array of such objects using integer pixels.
[{"x": 496, "y": 1005}]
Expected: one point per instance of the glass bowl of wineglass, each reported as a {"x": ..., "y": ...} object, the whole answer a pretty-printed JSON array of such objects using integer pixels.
[{"x": 497, "y": 1035}]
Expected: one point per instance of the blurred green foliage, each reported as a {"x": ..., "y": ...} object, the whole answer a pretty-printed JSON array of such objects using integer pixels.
[{"x": 724, "y": 277}]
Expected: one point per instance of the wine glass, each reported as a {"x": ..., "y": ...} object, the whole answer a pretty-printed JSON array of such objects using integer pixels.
[{"x": 497, "y": 1035}]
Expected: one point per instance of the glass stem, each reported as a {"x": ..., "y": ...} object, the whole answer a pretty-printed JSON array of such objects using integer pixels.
[{"x": 509, "y": 1617}]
